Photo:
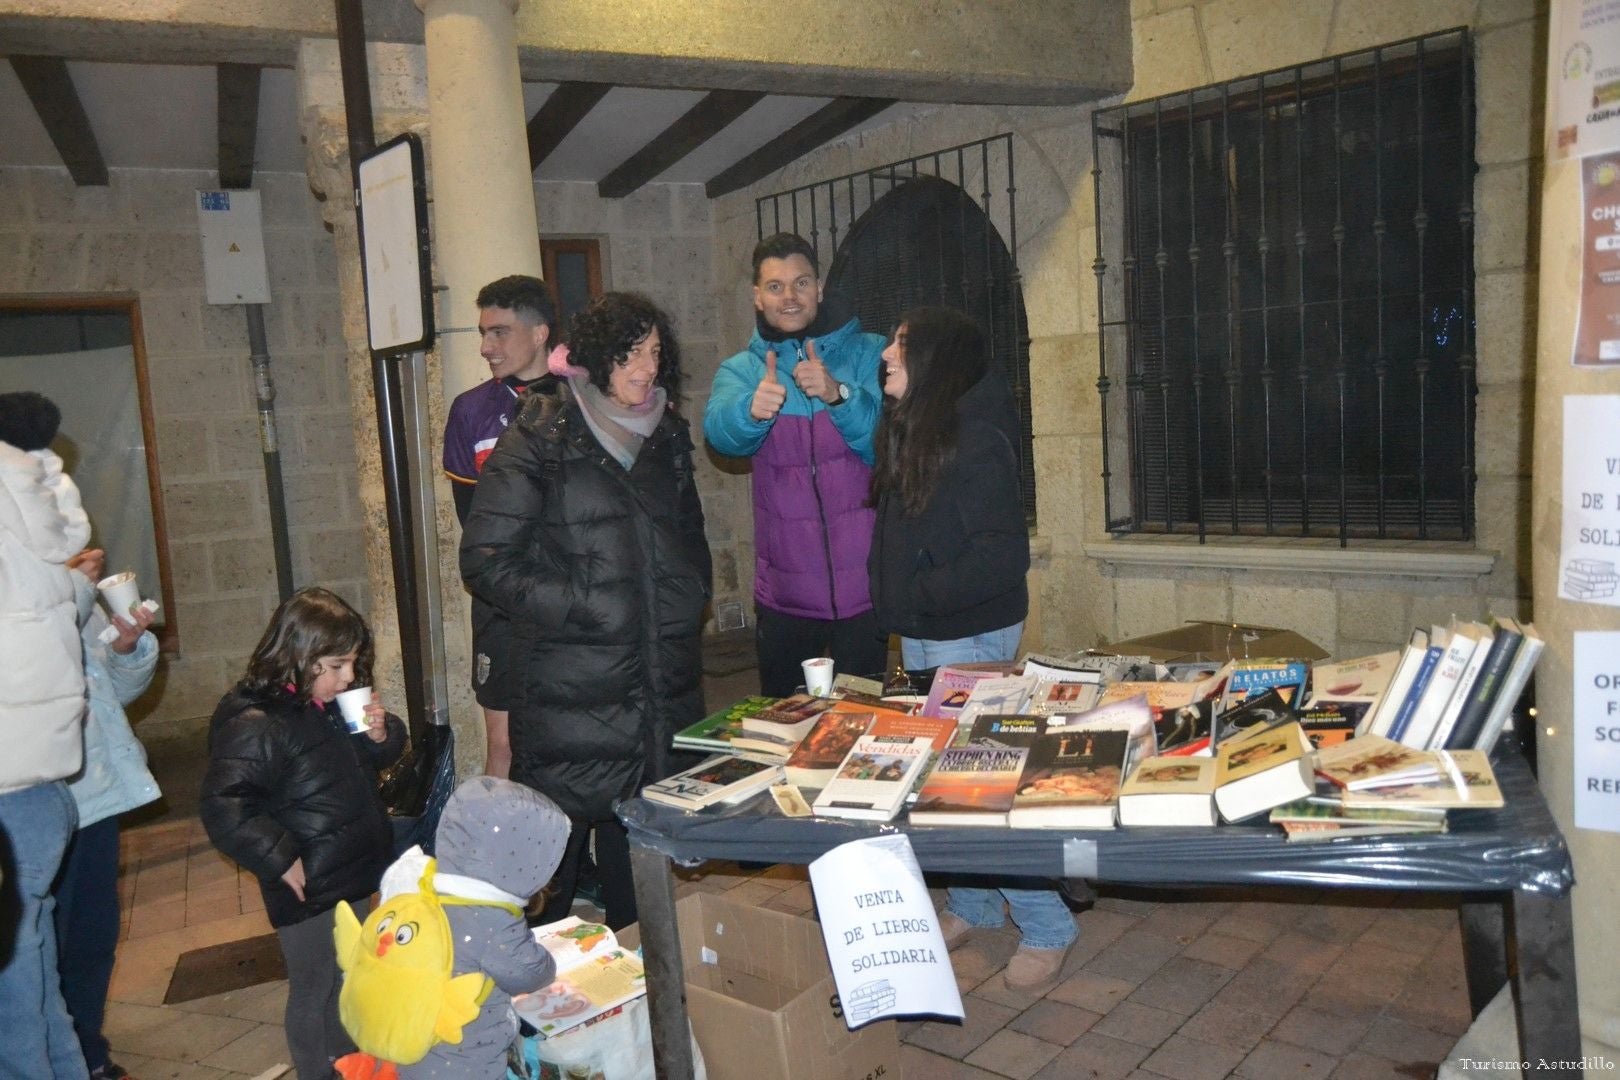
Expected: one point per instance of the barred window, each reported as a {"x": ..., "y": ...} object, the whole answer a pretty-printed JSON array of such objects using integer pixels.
[{"x": 1285, "y": 300}]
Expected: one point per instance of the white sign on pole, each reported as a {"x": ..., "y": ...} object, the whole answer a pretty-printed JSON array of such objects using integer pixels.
[
  {"x": 888, "y": 957},
  {"x": 1586, "y": 79},
  {"x": 1589, "y": 559},
  {"x": 1597, "y": 730}
]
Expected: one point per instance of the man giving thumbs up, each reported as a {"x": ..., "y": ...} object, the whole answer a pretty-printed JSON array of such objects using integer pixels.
[{"x": 803, "y": 400}]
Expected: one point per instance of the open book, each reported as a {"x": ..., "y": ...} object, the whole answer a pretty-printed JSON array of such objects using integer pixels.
[{"x": 595, "y": 975}]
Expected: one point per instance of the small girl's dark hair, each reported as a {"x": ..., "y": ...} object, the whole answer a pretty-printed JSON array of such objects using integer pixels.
[
  {"x": 309, "y": 624},
  {"x": 28, "y": 421}
]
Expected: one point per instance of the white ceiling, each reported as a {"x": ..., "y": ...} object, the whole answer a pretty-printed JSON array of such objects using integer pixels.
[{"x": 156, "y": 116}]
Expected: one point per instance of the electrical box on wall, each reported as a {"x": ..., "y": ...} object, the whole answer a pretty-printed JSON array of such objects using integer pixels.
[{"x": 232, "y": 226}]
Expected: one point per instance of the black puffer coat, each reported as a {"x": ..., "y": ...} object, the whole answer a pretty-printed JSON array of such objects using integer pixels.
[
  {"x": 286, "y": 781},
  {"x": 957, "y": 569},
  {"x": 604, "y": 574}
]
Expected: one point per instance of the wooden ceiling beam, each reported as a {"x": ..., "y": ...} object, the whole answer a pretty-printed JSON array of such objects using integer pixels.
[
  {"x": 701, "y": 122},
  {"x": 827, "y": 122},
  {"x": 238, "y": 123},
  {"x": 46, "y": 81},
  {"x": 560, "y": 114}
]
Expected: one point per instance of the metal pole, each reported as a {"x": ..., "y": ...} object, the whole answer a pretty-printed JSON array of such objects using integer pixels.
[
  {"x": 264, "y": 388},
  {"x": 386, "y": 378}
]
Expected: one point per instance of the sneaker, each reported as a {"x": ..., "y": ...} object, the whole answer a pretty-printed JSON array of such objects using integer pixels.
[
  {"x": 954, "y": 929},
  {"x": 110, "y": 1071},
  {"x": 1035, "y": 971}
]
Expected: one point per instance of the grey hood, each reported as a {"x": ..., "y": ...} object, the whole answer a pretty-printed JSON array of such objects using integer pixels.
[{"x": 501, "y": 832}]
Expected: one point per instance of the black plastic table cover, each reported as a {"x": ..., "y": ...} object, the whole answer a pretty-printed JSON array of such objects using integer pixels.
[{"x": 1517, "y": 847}]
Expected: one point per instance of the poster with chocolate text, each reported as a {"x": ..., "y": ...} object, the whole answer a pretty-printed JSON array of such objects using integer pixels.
[{"x": 1597, "y": 326}]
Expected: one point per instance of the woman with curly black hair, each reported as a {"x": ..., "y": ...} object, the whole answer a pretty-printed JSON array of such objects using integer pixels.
[{"x": 587, "y": 531}]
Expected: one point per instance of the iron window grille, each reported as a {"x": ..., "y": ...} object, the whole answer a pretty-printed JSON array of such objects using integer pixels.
[
  {"x": 1285, "y": 295},
  {"x": 939, "y": 228}
]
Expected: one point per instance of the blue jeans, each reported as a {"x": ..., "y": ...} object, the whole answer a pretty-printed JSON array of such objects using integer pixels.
[
  {"x": 918, "y": 654},
  {"x": 87, "y": 931},
  {"x": 1042, "y": 918},
  {"x": 39, "y": 1041}
]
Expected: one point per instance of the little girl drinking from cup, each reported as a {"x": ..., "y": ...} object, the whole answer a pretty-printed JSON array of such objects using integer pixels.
[{"x": 291, "y": 795}]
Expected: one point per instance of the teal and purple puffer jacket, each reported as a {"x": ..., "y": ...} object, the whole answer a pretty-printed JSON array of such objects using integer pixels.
[{"x": 812, "y": 465}]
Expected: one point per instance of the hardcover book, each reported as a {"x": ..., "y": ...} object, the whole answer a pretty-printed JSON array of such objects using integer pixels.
[
  {"x": 876, "y": 775},
  {"x": 818, "y": 755},
  {"x": 1169, "y": 791},
  {"x": 1466, "y": 781},
  {"x": 790, "y": 718},
  {"x": 1370, "y": 761},
  {"x": 1382, "y": 716},
  {"x": 720, "y": 779},
  {"x": 951, "y": 687},
  {"x": 1362, "y": 680},
  {"x": 1071, "y": 780},
  {"x": 970, "y": 785},
  {"x": 1265, "y": 768},
  {"x": 1250, "y": 678},
  {"x": 716, "y": 731}
]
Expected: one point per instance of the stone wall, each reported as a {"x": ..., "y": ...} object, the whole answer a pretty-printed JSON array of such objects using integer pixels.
[
  {"x": 138, "y": 235},
  {"x": 1087, "y": 587}
]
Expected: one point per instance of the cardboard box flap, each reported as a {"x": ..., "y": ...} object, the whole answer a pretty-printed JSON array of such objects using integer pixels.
[{"x": 1219, "y": 641}]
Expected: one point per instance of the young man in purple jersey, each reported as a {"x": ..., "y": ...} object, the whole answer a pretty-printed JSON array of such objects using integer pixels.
[{"x": 515, "y": 319}]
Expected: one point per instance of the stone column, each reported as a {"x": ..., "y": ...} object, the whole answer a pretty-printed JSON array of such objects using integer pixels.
[
  {"x": 484, "y": 224},
  {"x": 1596, "y": 854}
]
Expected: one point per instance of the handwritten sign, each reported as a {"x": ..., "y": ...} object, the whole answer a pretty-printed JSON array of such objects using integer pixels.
[
  {"x": 1597, "y": 730},
  {"x": 888, "y": 957},
  {"x": 1589, "y": 561}
]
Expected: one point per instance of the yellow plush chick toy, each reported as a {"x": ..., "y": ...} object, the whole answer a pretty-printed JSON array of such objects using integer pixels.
[{"x": 398, "y": 997}]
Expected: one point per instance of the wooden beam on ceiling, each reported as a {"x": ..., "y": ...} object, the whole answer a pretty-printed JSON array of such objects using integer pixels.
[
  {"x": 701, "y": 122},
  {"x": 561, "y": 113},
  {"x": 238, "y": 123},
  {"x": 46, "y": 81},
  {"x": 827, "y": 122}
]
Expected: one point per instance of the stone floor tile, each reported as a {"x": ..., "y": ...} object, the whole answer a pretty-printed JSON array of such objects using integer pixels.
[
  {"x": 1177, "y": 921},
  {"x": 1265, "y": 988},
  {"x": 1134, "y": 956},
  {"x": 1054, "y": 1022},
  {"x": 207, "y": 868},
  {"x": 1284, "y": 1061},
  {"x": 1013, "y": 1054},
  {"x": 1244, "y": 922},
  {"x": 165, "y": 1069},
  {"x": 919, "y": 1064},
  {"x": 1392, "y": 930},
  {"x": 1223, "y": 949},
  {"x": 1138, "y": 904},
  {"x": 1301, "y": 952},
  {"x": 1140, "y": 1024},
  {"x": 1184, "y": 1058},
  {"x": 1091, "y": 991},
  {"x": 1436, "y": 997},
  {"x": 983, "y": 1019},
  {"x": 147, "y": 920},
  {"x": 186, "y": 1036},
  {"x": 1407, "y": 1043},
  {"x": 1182, "y": 986},
  {"x": 1337, "y": 923},
  {"x": 1228, "y": 1026},
  {"x": 126, "y": 1018},
  {"x": 1360, "y": 1066},
  {"x": 1094, "y": 1057},
  {"x": 253, "y": 1052},
  {"x": 1335, "y": 1033},
  {"x": 248, "y": 1003}
]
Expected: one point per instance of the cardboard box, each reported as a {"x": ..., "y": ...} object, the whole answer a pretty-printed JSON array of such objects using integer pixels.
[
  {"x": 761, "y": 997},
  {"x": 1218, "y": 641}
]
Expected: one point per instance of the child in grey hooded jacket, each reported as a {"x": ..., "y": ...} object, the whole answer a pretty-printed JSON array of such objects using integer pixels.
[{"x": 501, "y": 841}]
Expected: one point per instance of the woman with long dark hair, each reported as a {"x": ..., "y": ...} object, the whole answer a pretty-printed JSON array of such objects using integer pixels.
[
  {"x": 587, "y": 532},
  {"x": 949, "y": 559}
]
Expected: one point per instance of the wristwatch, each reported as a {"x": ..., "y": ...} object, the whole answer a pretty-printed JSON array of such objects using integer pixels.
[{"x": 843, "y": 395}]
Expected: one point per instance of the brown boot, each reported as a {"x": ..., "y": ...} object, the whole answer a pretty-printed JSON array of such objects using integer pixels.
[
  {"x": 954, "y": 929},
  {"x": 1035, "y": 971}
]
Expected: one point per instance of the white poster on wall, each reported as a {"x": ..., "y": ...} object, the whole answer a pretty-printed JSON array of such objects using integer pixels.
[
  {"x": 1597, "y": 730},
  {"x": 883, "y": 940},
  {"x": 1589, "y": 558},
  {"x": 1586, "y": 78}
]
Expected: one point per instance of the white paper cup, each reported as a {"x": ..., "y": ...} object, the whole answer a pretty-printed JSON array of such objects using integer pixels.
[
  {"x": 352, "y": 704},
  {"x": 120, "y": 593},
  {"x": 818, "y": 676}
]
